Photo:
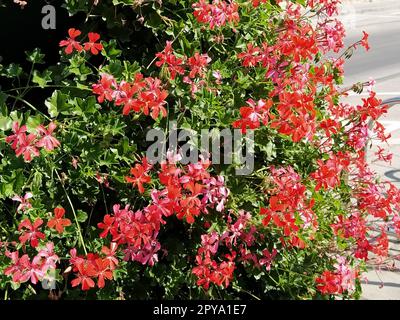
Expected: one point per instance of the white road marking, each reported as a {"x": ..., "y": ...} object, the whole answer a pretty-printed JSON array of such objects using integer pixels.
[
  {"x": 391, "y": 142},
  {"x": 391, "y": 125},
  {"x": 394, "y": 93}
]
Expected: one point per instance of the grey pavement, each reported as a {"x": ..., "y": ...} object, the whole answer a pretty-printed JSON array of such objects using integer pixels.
[{"x": 381, "y": 19}]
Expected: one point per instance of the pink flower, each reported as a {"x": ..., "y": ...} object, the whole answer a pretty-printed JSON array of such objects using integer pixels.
[
  {"x": 25, "y": 204},
  {"x": 23, "y": 270},
  {"x": 218, "y": 77},
  {"x": 27, "y": 147},
  {"x": 110, "y": 254},
  {"x": 30, "y": 232},
  {"x": 74, "y": 162},
  {"x": 268, "y": 258},
  {"x": 46, "y": 257},
  {"x": 18, "y": 137},
  {"x": 47, "y": 140},
  {"x": 105, "y": 88}
]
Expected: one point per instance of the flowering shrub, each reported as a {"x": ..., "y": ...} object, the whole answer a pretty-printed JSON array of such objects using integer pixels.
[{"x": 84, "y": 213}]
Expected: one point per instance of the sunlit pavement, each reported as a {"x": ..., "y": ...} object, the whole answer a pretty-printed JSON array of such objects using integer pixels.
[{"x": 381, "y": 19}]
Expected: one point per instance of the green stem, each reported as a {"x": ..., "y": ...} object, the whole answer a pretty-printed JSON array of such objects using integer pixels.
[
  {"x": 83, "y": 131},
  {"x": 28, "y": 81},
  {"x": 47, "y": 86},
  {"x": 245, "y": 291},
  {"x": 29, "y": 105},
  {"x": 73, "y": 211}
]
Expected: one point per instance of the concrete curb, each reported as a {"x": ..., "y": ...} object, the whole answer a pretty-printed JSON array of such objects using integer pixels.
[{"x": 361, "y": 1}]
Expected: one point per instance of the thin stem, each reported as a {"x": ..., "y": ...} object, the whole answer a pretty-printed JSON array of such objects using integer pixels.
[
  {"x": 47, "y": 86},
  {"x": 29, "y": 105},
  {"x": 73, "y": 211},
  {"x": 104, "y": 198},
  {"x": 28, "y": 81},
  {"x": 245, "y": 291}
]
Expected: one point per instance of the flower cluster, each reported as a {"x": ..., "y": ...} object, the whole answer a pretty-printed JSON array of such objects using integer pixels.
[
  {"x": 217, "y": 13},
  {"x": 253, "y": 115},
  {"x": 340, "y": 281},
  {"x": 287, "y": 201},
  {"x": 28, "y": 144},
  {"x": 93, "y": 266},
  {"x": 328, "y": 174},
  {"x": 239, "y": 240},
  {"x": 136, "y": 231},
  {"x": 142, "y": 95},
  {"x": 72, "y": 44},
  {"x": 196, "y": 66},
  {"x": 43, "y": 265},
  {"x": 188, "y": 191},
  {"x": 23, "y": 269}
]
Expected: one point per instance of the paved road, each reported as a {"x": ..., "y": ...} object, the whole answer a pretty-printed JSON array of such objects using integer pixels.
[{"x": 381, "y": 19}]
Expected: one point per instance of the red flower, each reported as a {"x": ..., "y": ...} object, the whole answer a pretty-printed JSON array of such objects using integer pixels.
[
  {"x": 253, "y": 114},
  {"x": 173, "y": 63},
  {"x": 107, "y": 225},
  {"x": 256, "y": 3},
  {"x": 18, "y": 136},
  {"x": 191, "y": 205},
  {"x": 364, "y": 41},
  {"x": 198, "y": 64},
  {"x": 110, "y": 255},
  {"x": 103, "y": 272},
  {"x": 27, "y": 147},
  {"x": 128, "y": 98},
  {"x": 329, "y": 283},
  {"x": 71, "y": 43},
  {"x": 216, "y": 14},
  {"x": 91, "y": 45},
  {"x": 328, "y": 174},
  {"x": 86, "y": 270},
  {"x": 58, "y": 222},
  {"x": 268, "y": 258},
  {"x": 30, "y": 232},
  {"x": 47, "y": 140},
  {"x": 140, "y": 175},
  {"x": 251, "y": 57},
  {"x": 381, "y": 246},
  {"x": 105, "y": 88}
]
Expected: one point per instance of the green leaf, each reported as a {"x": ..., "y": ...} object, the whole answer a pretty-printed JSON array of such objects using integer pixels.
[
  {"x": 110, "y": 49},
  {"x": 36, "y": 56},
  {"x": 42, "y": 79},
  {"x": 33, "y": 122},
  {"x": 81, "y": 216},
  {"x": 5, "y": 123},
  {"x": 56, "y": 103},
  {"x": 12, "y": 71}
]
